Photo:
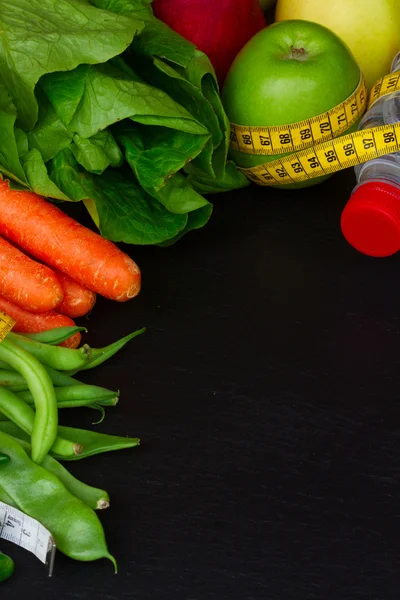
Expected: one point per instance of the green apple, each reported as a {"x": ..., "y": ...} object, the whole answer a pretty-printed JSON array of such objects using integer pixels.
[
  {"x": 371, "y": 28},
  {"x": 287, "y": 72}
]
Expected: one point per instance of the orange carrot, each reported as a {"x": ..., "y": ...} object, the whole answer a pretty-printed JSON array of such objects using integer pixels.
[
  {"x": 29, "y": 284},
  {"x": 78, "y": 300},
  {"x": 27, "y": 322},
  {"x": 46, "y": 232}
]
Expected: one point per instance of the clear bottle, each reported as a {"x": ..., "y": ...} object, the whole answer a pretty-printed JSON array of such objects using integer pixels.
[{"x": 371, "y": 219}]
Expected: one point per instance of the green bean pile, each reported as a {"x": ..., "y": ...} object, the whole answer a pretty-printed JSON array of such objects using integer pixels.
[{"x": 37, "y": 378}]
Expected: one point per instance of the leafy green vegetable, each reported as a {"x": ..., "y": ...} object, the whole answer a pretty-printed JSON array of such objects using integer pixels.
[
  {"x": 97, "y": 153},
  {"x": 101, "y": 102},
  {"x": 43, "y": 36},
  {"x": 121, "y": 209},
  {"x": 10, "y": 163}
]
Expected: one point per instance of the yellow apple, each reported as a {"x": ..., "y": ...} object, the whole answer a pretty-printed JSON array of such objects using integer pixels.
[{"x": 371, "y": 28}]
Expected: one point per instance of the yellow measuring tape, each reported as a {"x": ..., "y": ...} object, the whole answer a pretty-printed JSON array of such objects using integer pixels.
[
  {"x": 6, "y": 324},
  {"x": 312, "y": 147}
]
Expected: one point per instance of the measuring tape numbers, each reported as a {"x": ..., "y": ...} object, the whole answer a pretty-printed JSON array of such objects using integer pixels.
[
  {"x": 22, "y": 530},
  {"x": 315, "y": 147}
]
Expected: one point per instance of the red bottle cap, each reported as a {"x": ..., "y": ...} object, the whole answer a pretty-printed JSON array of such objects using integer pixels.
[{"x": 370, "y": 221}]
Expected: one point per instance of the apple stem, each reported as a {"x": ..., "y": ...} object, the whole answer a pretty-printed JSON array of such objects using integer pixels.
[{"x": 297, "y": 53}]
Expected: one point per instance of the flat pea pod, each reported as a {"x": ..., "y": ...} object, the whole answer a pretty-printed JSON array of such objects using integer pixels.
[
  {"x": 54, "y": 336},
  {"x": 79, "y": 395},
  {"x": 57, "y": 357},
  {"x": 96, "y": 498},
  {"x": 100, "y": 355},
  {"x": 6, "y": 566},
  {"x": 44, "y": 428},
  {"x": 76, "y": 528},
  {"x": 23, "y": 415},
  {"x": 91, "y": 441}
]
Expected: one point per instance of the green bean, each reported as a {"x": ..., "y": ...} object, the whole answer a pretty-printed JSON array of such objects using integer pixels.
[
  {"x": 6, "y": 566},
  {"x": 95, "y": 406},
  {"x": 94, "y": 497},
  {"x": 54, "y": 336},
  {"x": 100, "y": 355},
  {"x": 57, "y": 357},
  {"x": 44, "y": 426},
  {"x": 81, "y": 394},
  {"x": 58, "y": 378},
  {"x": 23, "y": 415},
  {"x": 13, "y": 380},
  {"x": 10, "y": 428},
  {"x": 76, "y": 528},
  {"x": 91, "y": 441},
  {"x": 94, "y": 442},
  {"x": 75, "y": 400}
]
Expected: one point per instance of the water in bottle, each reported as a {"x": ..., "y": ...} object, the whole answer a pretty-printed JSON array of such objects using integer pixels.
[{"x": 371, "y": 219}]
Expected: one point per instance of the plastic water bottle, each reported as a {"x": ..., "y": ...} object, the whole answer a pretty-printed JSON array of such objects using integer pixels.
[{"x": 371, "y": 219}]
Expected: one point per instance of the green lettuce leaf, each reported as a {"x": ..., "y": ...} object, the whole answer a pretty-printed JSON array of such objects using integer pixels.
[
  {"x": 138, "y": 8},
  {"x": 196, "y": 220},
  {"x": 121, "y": 209},
  {"x": 156, "y": 154},
  {"x": 112, "y": 95},
  {"x": 232, "y": 179},
  {"x": 97, "y": 153},
  {"x": 49, "y": 135},
  {"x": 43, "y": 36},
  {"x": 38, "y": 178},
  {"x": 64, "y": 91},
  {"x": 10, "y": 164}
]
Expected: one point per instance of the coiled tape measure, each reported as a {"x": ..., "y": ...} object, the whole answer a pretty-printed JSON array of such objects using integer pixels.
[{"x": 314, "y": 146}]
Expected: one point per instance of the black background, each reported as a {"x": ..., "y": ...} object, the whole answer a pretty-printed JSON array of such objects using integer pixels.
[{"x": 266, "y": 395}]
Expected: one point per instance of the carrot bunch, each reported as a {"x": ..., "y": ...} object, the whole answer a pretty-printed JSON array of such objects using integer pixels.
[{"x": 52, "y": 267}]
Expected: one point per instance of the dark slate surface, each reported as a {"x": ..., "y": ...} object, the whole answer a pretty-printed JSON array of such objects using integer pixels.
[{"x": 266, "y": 394}]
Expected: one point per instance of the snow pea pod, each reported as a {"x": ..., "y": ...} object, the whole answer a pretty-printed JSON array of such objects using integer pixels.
[
  {"x": 57, "y": 357},
  {"x": 6, "y": 567},
  {"x": 54, "y": 336},
  {"x": 44, "y": 427},
  {"x": 76, "y": 528},
  {"x": 94, "y": 497},
  {"x": 100, "y": 355},
  {"x": 92, "y": 441},
  {"x": 23, "y": 415}
]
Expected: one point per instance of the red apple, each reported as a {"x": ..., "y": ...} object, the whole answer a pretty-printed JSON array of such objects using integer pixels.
[{"x": 220, "y": 28}]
